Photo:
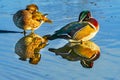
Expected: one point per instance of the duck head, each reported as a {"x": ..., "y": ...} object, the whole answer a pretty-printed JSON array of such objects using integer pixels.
[
  {"x": 84, "y": 16},
  {"x": 87, "y": 64},
  {"x": 41, "y": 17},
  {"x": 32, "y": 8}
]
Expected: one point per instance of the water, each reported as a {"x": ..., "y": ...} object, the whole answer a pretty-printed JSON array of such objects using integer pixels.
[{"x": 52, "y": 67}]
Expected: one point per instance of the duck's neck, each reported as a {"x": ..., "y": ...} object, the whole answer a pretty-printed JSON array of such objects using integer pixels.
[{"x": 93, "y": 22}]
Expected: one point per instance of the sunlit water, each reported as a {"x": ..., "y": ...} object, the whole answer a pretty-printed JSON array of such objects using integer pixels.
[{"x": 52, "y": 67}]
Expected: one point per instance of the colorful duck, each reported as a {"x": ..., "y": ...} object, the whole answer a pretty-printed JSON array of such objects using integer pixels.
[
  {"x": 82, "y": 30},
  {"x": 30, "y": 18}
]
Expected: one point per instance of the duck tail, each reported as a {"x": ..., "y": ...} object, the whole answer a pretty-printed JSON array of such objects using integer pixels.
[
  {"x": 56, "y": 36},
  {"x": 52, "y": 37}
]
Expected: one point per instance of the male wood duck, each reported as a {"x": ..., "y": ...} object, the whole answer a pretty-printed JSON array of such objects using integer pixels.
[
  {"x": 82, "y": 30},
  {"x": 30, "y": 18}
]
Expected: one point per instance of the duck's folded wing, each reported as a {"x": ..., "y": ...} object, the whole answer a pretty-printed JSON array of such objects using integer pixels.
[{"x": 69, "y": 27}]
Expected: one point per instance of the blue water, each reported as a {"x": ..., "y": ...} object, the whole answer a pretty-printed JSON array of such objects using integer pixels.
[{"x": 52, "y": 67}]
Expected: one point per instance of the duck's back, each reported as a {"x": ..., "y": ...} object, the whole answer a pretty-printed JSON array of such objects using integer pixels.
[{"x": 18, "y": 18}]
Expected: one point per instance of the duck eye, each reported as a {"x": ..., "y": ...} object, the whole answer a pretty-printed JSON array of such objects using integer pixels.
[{"x": 87, "y": 16}]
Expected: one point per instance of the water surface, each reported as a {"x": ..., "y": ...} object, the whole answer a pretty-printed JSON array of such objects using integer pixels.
[{"x": 52, "y": 67}]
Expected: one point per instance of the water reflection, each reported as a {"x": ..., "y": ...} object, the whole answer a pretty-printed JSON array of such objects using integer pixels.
[
  {"x": 29, "y": 47},
  {"x": 86, "y": 52}
]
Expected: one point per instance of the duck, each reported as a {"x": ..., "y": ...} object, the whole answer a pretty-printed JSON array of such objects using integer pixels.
[
  {"x": 29, "y": 46},
  {"x": 82, "y": 30},
  {"x": 30, "y": 18}
]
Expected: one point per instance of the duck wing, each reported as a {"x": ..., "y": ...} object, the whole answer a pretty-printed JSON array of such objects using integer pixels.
[{"x": 66, "y": 31}]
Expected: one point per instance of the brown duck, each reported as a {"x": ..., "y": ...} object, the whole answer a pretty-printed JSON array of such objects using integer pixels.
[{"x": 30, "y": 18}]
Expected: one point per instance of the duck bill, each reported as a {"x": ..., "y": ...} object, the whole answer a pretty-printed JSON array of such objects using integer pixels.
[{"x": 46, "y": 19}]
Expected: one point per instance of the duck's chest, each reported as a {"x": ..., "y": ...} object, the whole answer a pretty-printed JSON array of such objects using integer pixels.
[{"x": 82, "y": 31}]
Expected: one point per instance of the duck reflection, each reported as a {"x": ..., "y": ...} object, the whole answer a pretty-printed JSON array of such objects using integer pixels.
[
  {"x": 86, "y": 52},
  {"x": 29, "y": 47}
]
